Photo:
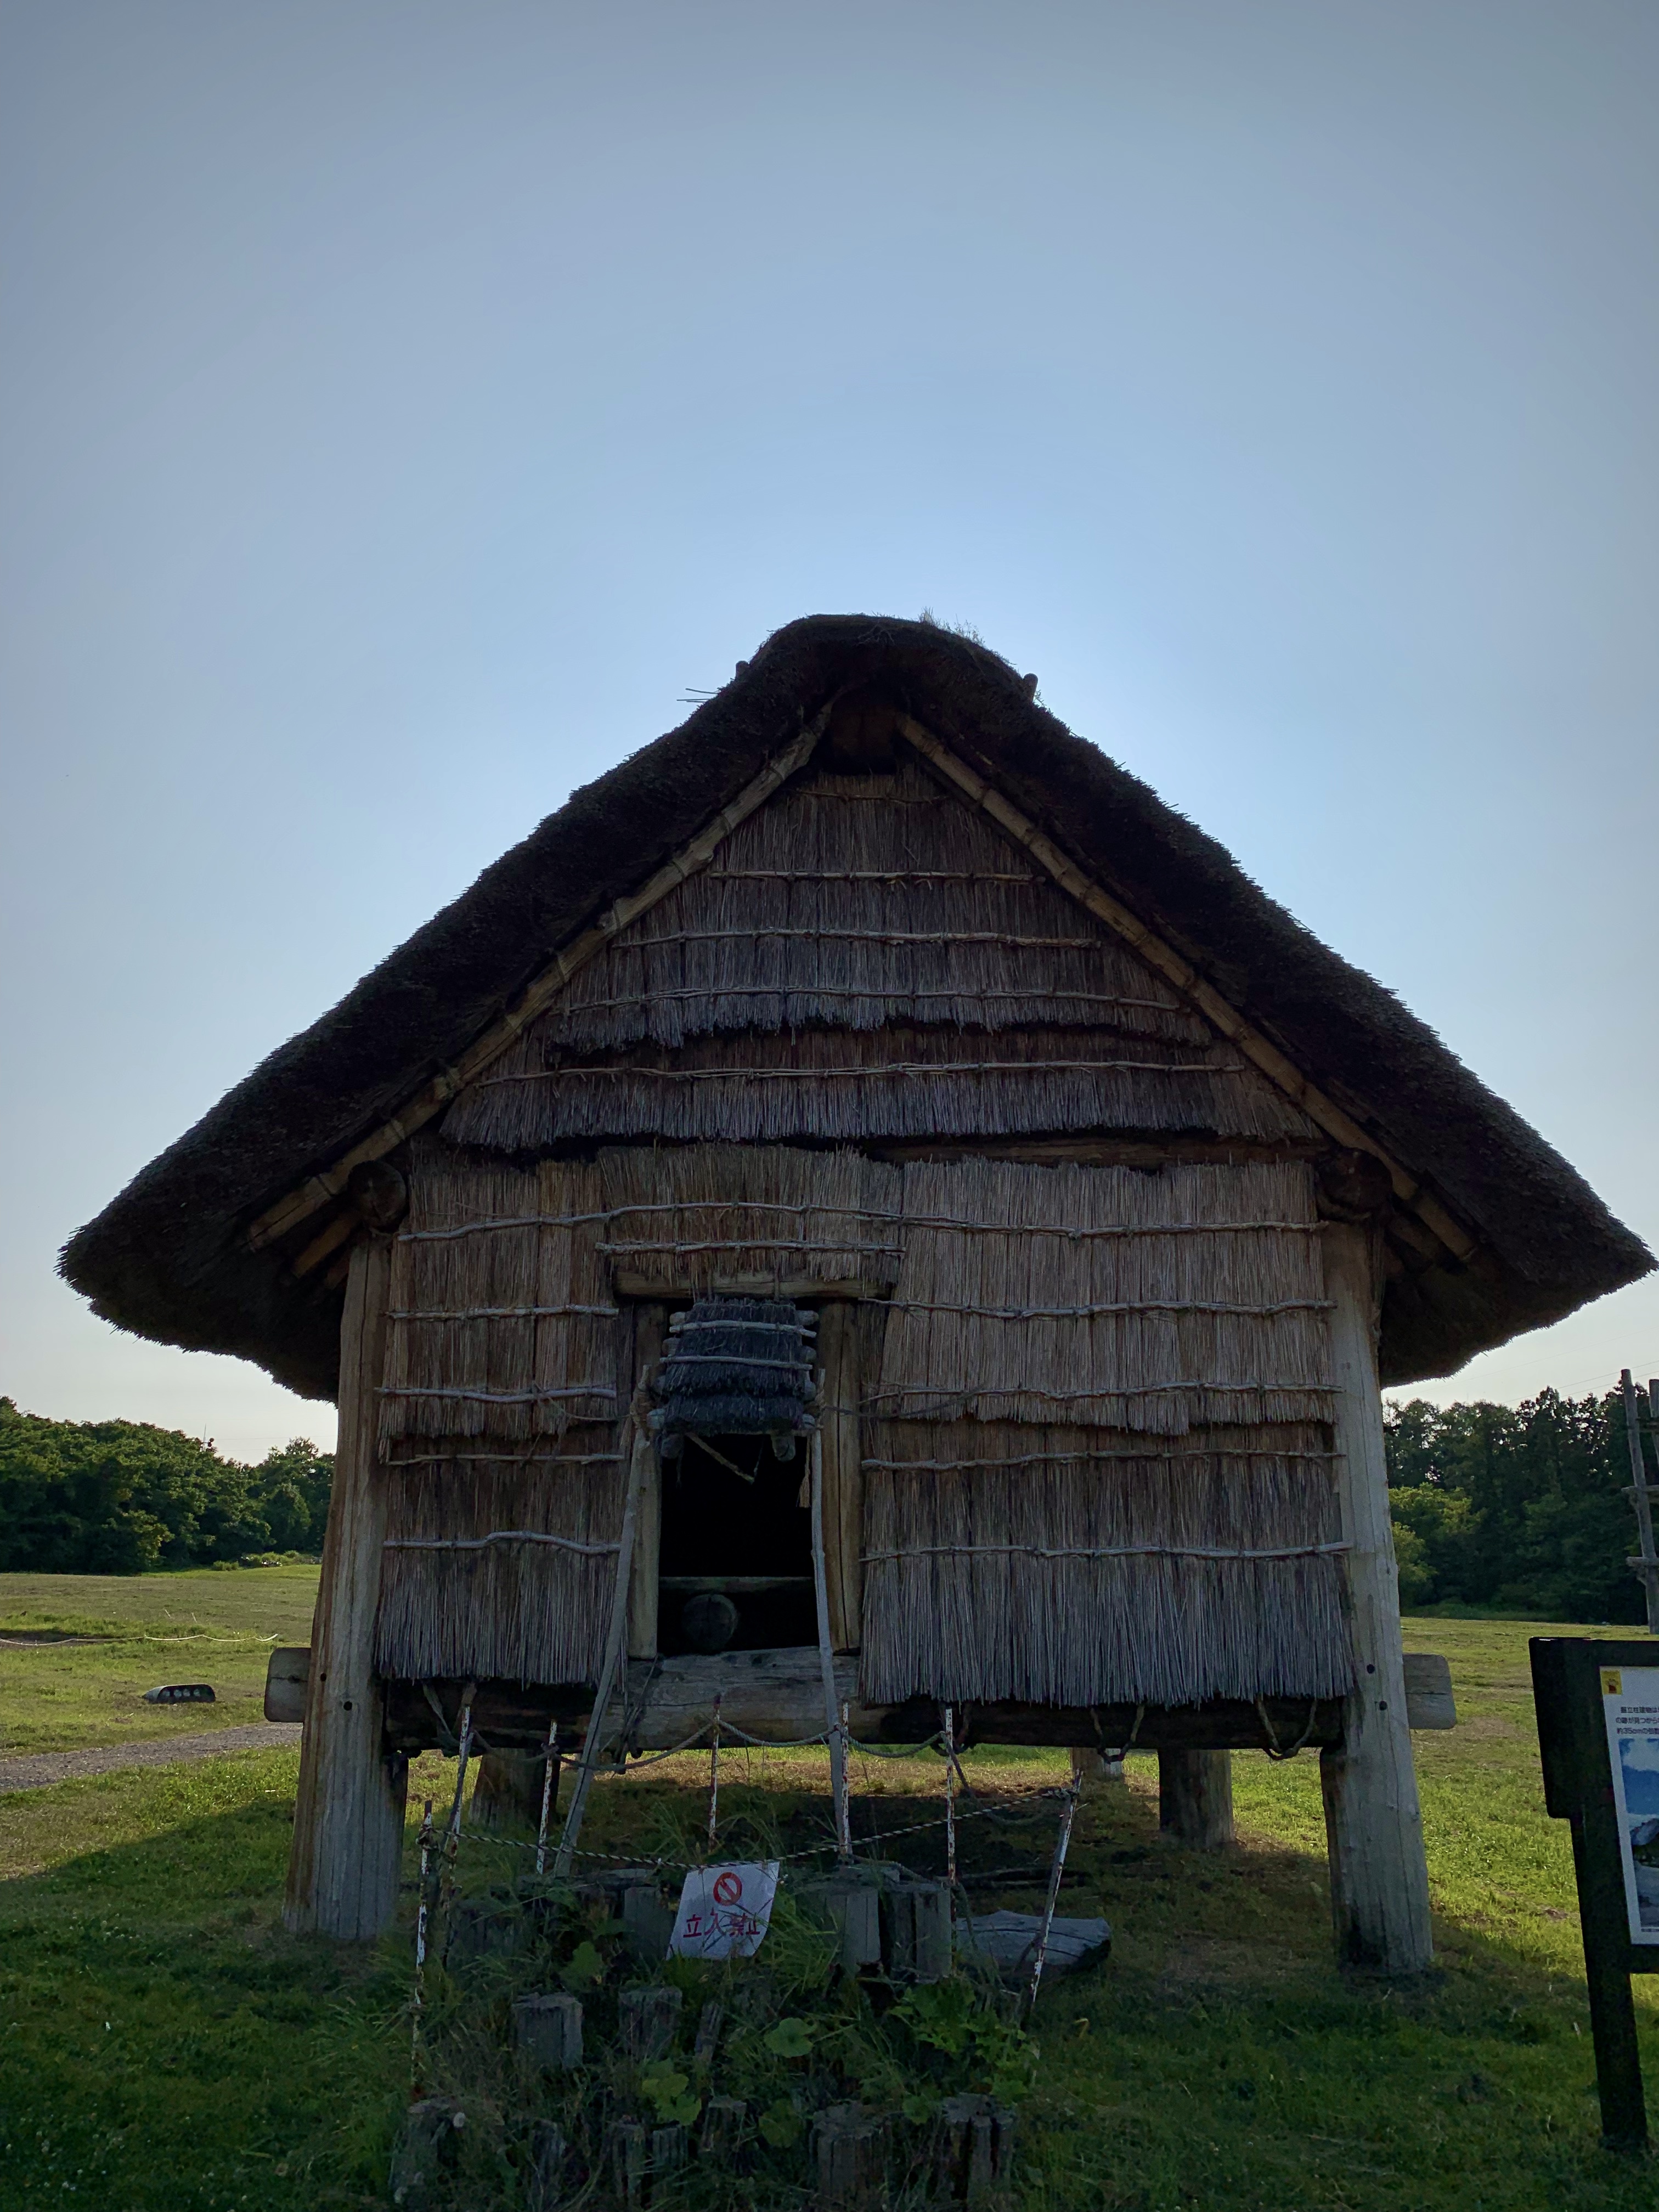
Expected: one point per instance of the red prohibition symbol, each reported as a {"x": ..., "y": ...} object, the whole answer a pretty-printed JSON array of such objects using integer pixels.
[{"x": 728, "y": 1889}]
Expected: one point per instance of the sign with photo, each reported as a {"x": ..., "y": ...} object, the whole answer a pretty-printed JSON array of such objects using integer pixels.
[
  {"x": 1630, "y": 1701},
  {"x": 725, "y": 1910}
]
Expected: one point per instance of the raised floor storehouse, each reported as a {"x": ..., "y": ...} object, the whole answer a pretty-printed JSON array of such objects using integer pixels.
[{"x": 867, "y": 1094}]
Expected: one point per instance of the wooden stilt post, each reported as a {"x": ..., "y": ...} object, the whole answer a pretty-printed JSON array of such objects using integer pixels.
[
  {"x": 1196, "y": 1798},
  {"x": 1373, "y": 1825},
  {"x": 349, "y": 1820}
]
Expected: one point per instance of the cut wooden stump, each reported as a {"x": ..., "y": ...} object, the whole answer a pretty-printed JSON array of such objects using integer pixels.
[
  {"x": 549, "y": 2157},
  {"x": 548, "y": 2029},
  {"x": 916, "y": 1918},
  {"x": 426, "y": 2149},
  {"x": 649, "y": 2020},
  {"x": 485, "y": 1931},
  {"x": 648, "y": 1923},
  {"x": 670, "y": 2149},
  {"x": 725, "y": 2124},
  {"x": 975, "y": 2153},
  {"x": 849, "y": 1901},
  {"x": 851, "y": 2156},
  {"x": 630, "y": 2151},
  {"x": 1092, "y": 1765},
  {"x": 708, "y": 2034}
]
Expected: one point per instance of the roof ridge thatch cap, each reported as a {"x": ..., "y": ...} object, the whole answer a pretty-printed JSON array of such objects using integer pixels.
[{"x": 169, "y": 1258}]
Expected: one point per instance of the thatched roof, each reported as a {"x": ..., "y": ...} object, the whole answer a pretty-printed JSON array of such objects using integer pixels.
[{"x": 169, "y": 1258}]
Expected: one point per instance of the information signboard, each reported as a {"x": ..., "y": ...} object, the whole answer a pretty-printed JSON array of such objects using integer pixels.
[
  {"x": 1630, "y": 1702},
  {"x": 1598, "y": 1734}
]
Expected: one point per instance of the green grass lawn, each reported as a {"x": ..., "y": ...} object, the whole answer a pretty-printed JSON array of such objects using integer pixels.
[
  {"x": 207, "y": 1625},
  {"x": 1218, "y": 2060}
]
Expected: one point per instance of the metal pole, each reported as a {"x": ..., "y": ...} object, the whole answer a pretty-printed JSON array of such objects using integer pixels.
[
  {"x": 549, "y": 1789},
  {"x": 415, "y": 2067},
  {"x": 452, "y": 1839},
  {"x": 950, "y": 1797},
  {"x": 715, "y": 1772},
  {"x": 1647, "y": 1566},
  {"x": 1068, "y": 1814}
]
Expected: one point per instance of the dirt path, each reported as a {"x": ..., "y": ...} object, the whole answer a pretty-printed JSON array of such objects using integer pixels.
[{"x": 43, "y": 1768}]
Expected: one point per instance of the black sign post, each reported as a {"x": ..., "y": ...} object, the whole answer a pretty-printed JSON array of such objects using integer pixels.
[{"x": 1572, "y": 1738}]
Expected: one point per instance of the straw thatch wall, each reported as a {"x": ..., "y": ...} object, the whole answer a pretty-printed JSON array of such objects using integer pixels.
[
  {"x": 509, "y": 1608},
  {"x": 1108, "y": 1294},
  {"x": 1096, "y": 1407},
  {"x": 1080, "y": 1567},
  {"x": 857, "y": 902},
  {"x": 685, "y": 1216},
  {"x": 1079, "y": 1482},
  {"x": 840, "y": 1086},
  {"x": 867, "y": 957},
  {"x": 502, "y": 1320}
]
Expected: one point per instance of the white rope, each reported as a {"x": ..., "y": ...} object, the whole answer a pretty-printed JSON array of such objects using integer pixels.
[
  {"x": 883, "y": 1219},
  {"x": 496, "y": 1536},
  {"x": 1106, "y": 1551},
  {"x": 1007, "y": 938},
  {"x": 856, "y": 1073},
  {"x": 505, "y": 1457},
  {"x": 498, "y": 1313},
  {"x": 1122, "y": 1306},
  {"x": 1188, "y": 1382},
  {"x": 1085, "y": 1458},
  {"x": 535, "y": 1397}
]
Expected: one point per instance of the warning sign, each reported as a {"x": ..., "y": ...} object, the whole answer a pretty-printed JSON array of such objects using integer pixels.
[{"x": 725, "y": 1910}]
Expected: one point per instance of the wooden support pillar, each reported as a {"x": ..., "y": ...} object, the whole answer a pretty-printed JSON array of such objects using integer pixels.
[
  {"x": 348, "y": 1820},
  {"x": 1373, "y": 1826},
  {"x": 843, "y": 1473},
  {"x": 1196, "y": 1798}
]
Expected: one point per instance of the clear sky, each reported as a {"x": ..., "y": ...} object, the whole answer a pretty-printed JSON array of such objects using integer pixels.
[{"x": 404, "y": 404}]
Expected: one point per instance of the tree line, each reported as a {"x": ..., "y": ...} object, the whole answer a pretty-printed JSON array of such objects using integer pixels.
[
  {"x": 1514, "y": 1508},
  {"x": 1517, "y": 1509},
  {"x": 117, "y": 1498}
]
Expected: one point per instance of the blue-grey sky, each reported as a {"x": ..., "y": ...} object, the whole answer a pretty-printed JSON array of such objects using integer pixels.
[{"x": 406, "y": 403}]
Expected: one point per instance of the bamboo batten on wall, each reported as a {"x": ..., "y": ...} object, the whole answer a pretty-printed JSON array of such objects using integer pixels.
[
  {"x": 683, "y": 1218},
  {"x": 467, "y": 1591},
  {"x": 857, "y": 902},
  {"x": 1045, "y": 1310},
  {"x": 504, "y": 1324}
]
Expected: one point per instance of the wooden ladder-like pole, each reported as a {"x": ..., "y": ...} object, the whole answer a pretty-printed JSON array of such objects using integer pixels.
[
  {"x": 1645, "y": 1567},
  {"x": 638, "y": 1470}
]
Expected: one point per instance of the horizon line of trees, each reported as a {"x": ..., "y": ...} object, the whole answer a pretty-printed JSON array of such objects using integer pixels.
[
  {"x": 123, "y": 1498},
  {"x": 1515, "y": 1508}
]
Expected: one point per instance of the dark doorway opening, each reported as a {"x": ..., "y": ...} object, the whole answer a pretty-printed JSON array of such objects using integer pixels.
[{"x": 735, "y": 1561}]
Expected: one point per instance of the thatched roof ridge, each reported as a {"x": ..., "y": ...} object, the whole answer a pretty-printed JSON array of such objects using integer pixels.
[{"x": 169, "y": 1258}]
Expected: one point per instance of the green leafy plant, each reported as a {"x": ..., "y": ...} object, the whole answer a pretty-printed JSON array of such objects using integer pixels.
[
  {"x": 954, "y": 2018},
  {"x": 584, "y": 1968},
  {"x": 790, "y": 2039},
  {"x": 781, "y": 2124},
  {"x": 670, "y": 2092}
]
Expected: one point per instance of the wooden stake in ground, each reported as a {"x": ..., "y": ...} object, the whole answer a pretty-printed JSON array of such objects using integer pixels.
[
  {"x": 1068, "y": 1814},
  {"x": 1646, "y": 1566},
  {"x": 1373, "y": 1825},
  {"x": 348, "y": 1818},
  {"x": 639, "y": 1470}
]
